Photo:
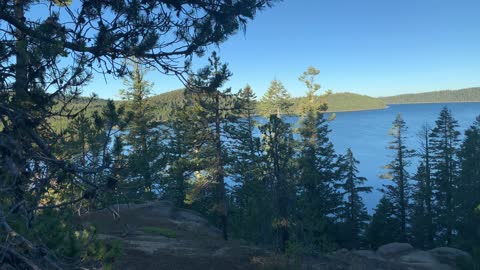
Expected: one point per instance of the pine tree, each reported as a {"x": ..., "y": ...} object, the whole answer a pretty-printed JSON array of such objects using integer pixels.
[
  {"x": 467, "y": 196},
  {"x": 353, "y": 212},
  {"x": 277, "y": 100},
  {"x": 218, "y": 110},
  {"x": 251, "y": 199},
  {"x": 318, "y": 175},
  {"x": 308, "y": 78},
  {"x": 48, "y": 56},
  {"x": 143, "y": 138},
  {"x": 423, "y": 229},
  {"x": 399, "y": 191},
  {"x": 384, "y": 227},
  {"x": 179, "y": 148},
  {"x": 278, "y": 146},
  {"x": 444, "y": 144}
]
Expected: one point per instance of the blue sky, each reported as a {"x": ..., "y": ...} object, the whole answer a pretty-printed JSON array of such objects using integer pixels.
[{"x": 371, "y": 47}]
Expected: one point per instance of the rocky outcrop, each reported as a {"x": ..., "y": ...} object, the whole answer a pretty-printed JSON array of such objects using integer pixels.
[
  {"x": 157, "y": 235},
  {"x": 404, "y": 256}
]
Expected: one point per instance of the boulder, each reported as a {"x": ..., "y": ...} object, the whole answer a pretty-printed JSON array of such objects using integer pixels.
[
  {"x": 452, "y": 256},
  {"x": 394, "y": 249},
  {"x": 422, "y": 260},
  {"x": 369, "y": 254}
]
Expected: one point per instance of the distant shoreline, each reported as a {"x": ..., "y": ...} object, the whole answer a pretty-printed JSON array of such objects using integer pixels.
[
  {"x": 432, "y": 102},
  {"x": 360, "y": 110}
]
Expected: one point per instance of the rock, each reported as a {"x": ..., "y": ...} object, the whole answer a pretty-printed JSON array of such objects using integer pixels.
[
  {"x": 422, "y": 260},
  {"x": 452, "y": 256},
  {"x": 394, "y": 249},
  {"x": 369, "y": 254}
]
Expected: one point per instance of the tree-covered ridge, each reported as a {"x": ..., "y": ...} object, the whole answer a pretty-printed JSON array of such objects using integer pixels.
[
  {"x": 337, "y": 102},
  {"x": 163, "y": 105},
  {"x": 461, "y": 95}
]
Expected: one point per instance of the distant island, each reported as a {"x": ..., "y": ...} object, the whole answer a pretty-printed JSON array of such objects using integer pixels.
[{"x": 462, "y": 95}]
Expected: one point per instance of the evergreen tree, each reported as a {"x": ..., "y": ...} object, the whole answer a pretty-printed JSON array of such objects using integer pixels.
[
  {"x": 277, "y": 99},
  {"x": 308, "y": 78},
  {"x": 142, "y": 136},
  {"x": 179, "y": 148},
  {"x": 218, "y": 110},
  {"x": 467, "y": 196},
  {"x": 46, "y": 59},
  {"x": 278, "y": 146},
  {"x": 353, "y": 212},
  {"x": 399, "y": 191},
  {"x": 444, "y": 144},
  {"x": 251, "y": 199},
  {"x": 423, "y": 229},
  {"x": 319, "y": 173},
  {"x": 384, "y": 227}
]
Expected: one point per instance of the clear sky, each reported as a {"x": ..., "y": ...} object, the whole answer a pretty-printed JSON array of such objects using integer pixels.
[{"x": 371, "y": 47}]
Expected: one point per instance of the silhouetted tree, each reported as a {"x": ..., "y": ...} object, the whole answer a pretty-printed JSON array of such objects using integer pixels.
[
  {"x": 444, "y": 144},
  {"x": 399, "y": 192}
]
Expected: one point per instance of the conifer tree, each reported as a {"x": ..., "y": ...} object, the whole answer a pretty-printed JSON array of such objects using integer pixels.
[
  {"x": 277, "y": 100},
  {"x": 179, "y": 148},
  {"x": 48, "y": 56},
  {"x": 384, "y": 227},
  {"x": 353, "y": 212},
  {"x": 467, "y": 196},
  {"x": 423, "y": 229},
  {"x": 142, "y": 136},
  {"x": 218, "y": 110},
  {"x": 399, "y": 191},
  {"x": 251, "y": 202},
  {"x": 444, "y": 144},
  {"x": 319, "y": 173},
  {"x": 278, "y": 146}
]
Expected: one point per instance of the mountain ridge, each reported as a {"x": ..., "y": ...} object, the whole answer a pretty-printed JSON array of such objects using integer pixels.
[{"x": 471, "y": 94}]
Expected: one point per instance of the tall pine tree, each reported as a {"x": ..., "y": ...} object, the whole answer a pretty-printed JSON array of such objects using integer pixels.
[
  {"x": 444, "y": 144},
  {"x": 468, "y": 193},
  {"x": 423, "y": 229},
  {"x": 398, "y": 192},
  {"x": 143, "y": 137},
  {"x": 318, "y": 173},
  {"x": 278, "y": 146},
  {"x": 218, "y": 110}
]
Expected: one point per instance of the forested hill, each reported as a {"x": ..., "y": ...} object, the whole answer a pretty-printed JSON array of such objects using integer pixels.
[
  {"x": 163, "y": 104},
  {"x": 341, "y": 102},
  {"x": 462, "y": 95}
]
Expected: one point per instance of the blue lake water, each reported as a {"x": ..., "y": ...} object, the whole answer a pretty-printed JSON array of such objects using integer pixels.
[{"x": 366, "y": 133}]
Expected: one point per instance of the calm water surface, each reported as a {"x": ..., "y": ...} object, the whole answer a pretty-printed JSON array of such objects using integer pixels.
[{"x": 366, "y": 133}]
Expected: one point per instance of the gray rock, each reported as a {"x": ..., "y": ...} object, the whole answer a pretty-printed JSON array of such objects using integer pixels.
[
  {"x": 452, "y": 256},
  {"x": 394, "y": 249},
  {"x": 422, "y": 260},
  {"x": 369, "y": 254}
]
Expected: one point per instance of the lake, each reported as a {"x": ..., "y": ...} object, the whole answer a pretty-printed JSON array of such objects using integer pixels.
[{"x": 366, "y": 133}]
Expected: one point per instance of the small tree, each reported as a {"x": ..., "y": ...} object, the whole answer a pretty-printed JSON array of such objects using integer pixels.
[
  {"x": 353, "y": 212},
  {"x": 276, "y": 100},
  {"x": 384, "y": 227}
]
